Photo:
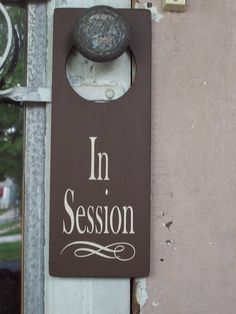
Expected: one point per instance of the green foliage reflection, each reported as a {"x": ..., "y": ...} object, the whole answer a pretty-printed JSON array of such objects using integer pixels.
[
  {"x": 11, "y": 116},
  {"x": 11, "y": 143}
]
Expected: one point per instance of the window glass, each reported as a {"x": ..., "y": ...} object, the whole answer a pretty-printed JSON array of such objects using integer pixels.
[{"x": 12, "y": 73}]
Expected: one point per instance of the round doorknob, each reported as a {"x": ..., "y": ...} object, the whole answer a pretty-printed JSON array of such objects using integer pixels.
[{"x": 101, "y": 34}]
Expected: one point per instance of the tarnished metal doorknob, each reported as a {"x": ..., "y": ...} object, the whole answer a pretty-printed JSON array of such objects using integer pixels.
[{"x": 101, "y": 34}]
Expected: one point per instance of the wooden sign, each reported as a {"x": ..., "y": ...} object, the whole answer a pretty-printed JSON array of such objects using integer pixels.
[{"x": 100, "y": 166}]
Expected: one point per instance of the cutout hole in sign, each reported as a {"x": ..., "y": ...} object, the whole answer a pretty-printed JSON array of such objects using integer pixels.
[{"x": 100, "y": 82}]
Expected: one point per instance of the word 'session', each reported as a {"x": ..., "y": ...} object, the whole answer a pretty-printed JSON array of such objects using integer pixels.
[{"x": 98, "y": 219}]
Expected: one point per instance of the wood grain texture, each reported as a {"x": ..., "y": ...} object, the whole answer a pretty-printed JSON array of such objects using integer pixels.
[{"x": 193, "y": 263}]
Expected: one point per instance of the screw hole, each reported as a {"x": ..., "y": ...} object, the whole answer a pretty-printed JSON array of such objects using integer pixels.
[{"x": 100, "y": 81}]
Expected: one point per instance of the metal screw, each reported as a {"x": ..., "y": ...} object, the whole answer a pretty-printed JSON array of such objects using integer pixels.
[
  {"x": 110, "y": 93},
  {"x": 101, "y": 34}
]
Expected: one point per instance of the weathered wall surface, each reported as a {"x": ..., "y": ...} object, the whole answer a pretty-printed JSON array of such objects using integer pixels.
[{"x": 193, "y": 258}]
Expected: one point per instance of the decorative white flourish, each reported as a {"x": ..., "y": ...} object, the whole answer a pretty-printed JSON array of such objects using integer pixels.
[{"x": 111, "y": 251}]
